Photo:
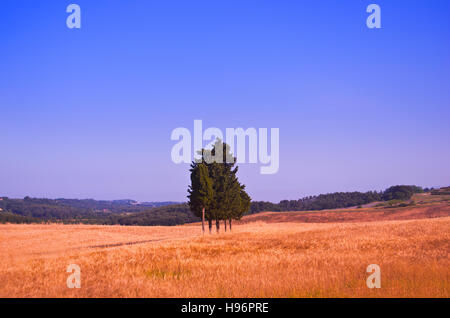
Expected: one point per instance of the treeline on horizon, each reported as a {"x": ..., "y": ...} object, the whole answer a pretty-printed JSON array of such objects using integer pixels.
[
  {"x": 121, "y": 212},
  {"x": 338, "y": 200},
  {"x": 88, "y": 211}
]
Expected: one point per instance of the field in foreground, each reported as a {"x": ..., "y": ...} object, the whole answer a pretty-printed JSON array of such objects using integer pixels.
[{"x": 258, "y": 259}]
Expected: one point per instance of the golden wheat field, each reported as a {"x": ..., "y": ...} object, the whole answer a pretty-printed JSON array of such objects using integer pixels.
[{"x": 257, "y": 259}]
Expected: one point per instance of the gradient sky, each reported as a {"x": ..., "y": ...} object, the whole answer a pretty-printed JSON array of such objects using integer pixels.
[{"x": 88, "y": 113}]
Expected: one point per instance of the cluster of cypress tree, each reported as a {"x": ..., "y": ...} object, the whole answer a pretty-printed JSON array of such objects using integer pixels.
[{"x": 215, "y": 193}]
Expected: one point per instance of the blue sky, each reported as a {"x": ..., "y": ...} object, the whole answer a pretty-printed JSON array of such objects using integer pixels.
[{"x": 88, "y": 113}]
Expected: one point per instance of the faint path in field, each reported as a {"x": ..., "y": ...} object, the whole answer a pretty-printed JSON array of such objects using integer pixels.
[
  {"x": 87, "y": 248},
  {"x": 124, "y": 243},
  {"x": 111, "y": 245}
]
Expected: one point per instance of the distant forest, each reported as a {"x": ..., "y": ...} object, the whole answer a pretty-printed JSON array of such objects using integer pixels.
[
  {"x": 72, "y": 211},
  {"x": 128, "y": 212},
  {"x": 338, "y": 200}
]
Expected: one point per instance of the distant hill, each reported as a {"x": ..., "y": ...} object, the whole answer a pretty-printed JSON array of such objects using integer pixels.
[
  {"x": 114, "y": 206},
  {"x": 320, "y": 202},
  {"x": 163, "y": 215},
  {"x": 130, "y": 212},
  {"x": 89, "y": 211},
  {"x": 157, "y": 204},
  {"x": 441, "y": 191}
]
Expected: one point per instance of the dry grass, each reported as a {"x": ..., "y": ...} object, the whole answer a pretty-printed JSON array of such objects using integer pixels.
[
  {"x": 256, "y": 260},
  {"x": 37, "y": 241},
  {"x": 420, "y": 211}
]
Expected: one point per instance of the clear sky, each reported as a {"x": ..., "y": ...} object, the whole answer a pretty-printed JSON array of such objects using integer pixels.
[{"x": 88, "y": 113}]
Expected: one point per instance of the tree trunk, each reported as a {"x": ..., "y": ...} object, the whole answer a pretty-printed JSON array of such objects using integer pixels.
[
  {"x": 210, "y": 226},
  {"x": 203, "y": 221},
  {"x": 225, "y": 223},
  {"x": 230, "y": 224},
  {"x": 217, "y": 226}
]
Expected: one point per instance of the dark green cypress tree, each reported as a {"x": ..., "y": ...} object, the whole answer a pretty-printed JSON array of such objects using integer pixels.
[
  {"x": 219, "y": 170},
  {"x": 245, "y": 204},
  {"x": 229, "y": 200},
  {"x": 201, "y": 193}
]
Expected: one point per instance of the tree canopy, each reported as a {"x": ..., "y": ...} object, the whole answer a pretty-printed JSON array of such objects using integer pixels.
[
  {"x": 401, "y": 192},
  {"x": 215, "y": 186}
]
